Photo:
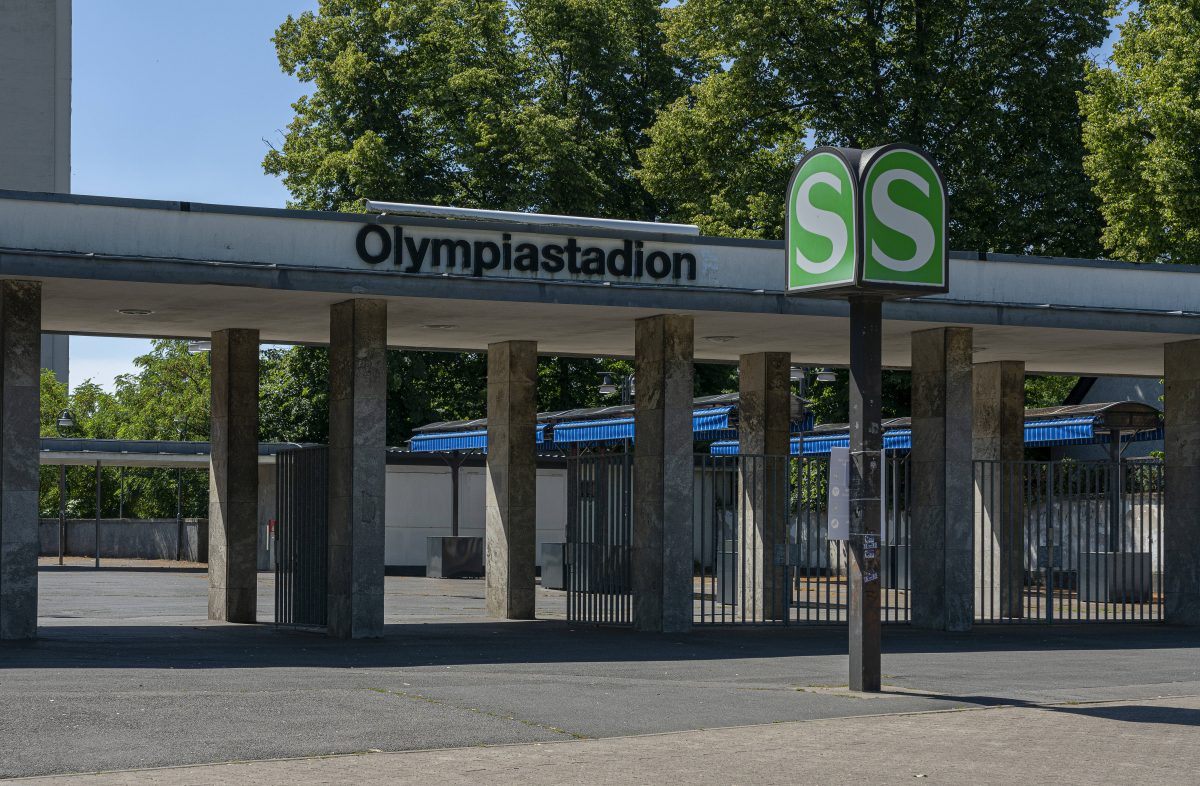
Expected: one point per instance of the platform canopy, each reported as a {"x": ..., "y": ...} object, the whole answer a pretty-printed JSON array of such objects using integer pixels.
[
  {"x": 1083, "y": 424},
  {"x": 178, "y": 454},
  {"x": 127, "y": 267},
  {"x": 713, "y": 418}
]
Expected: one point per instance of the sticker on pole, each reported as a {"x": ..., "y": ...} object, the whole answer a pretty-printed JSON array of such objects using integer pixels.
[{"x": 839, "y": 494}]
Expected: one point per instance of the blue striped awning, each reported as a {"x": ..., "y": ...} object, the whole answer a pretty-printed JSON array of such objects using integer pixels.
[
  {"x": 708, "y": 423},
  {"x": 476, "y": 439},
  {"x": 821, "y": 444},
  {"x": 1038, "y": 433}
]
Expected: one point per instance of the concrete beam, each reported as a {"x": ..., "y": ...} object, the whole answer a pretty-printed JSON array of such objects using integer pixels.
[
  {"x": 511, "y": 501},
  {"x": 663, "y": 474},
  {"x": 764, "y": 445},
  {"x": 998, "y": 445},
  {"x": 20, "y": 345},
  {"x": 942, "y": 520},
  {"x": 357, "y": 456},
  {"x": 1181, "y": 522},
  {"x": 233, "y": 478}
]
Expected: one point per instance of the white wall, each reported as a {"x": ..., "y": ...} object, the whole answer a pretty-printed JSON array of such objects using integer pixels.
[{"x": 418, "y": 506}]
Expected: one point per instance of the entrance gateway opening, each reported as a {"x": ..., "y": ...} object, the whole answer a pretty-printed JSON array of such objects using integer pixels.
[{"x": 654, "y": 524}]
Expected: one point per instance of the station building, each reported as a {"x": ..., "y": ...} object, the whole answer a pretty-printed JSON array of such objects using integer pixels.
[{"x": 519, "y": 286}]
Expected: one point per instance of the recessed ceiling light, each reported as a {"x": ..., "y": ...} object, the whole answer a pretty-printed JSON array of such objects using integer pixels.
[
  {"x": 445, "y": 326},
  {"x": 135, "y": 312},
  {"x": 719, "y": 339}
]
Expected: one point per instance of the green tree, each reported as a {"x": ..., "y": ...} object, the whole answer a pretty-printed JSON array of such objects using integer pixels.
[
  {"x": 167, "y": 398},
  {"x": 293, "y": 392},
  {"x": 1141, "y": 129},
  {"x": 830, "y": 401},
  {"x": 1048, "y": 391},
  {"x": 536, "y": 105},
  {"x": 986, "y": 86}
]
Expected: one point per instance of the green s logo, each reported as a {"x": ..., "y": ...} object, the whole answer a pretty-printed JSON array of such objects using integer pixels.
[
  {"x": 860, "y": 221},
  {"x": 904, "y": 219},
  {"x": 822, "y": 221}
]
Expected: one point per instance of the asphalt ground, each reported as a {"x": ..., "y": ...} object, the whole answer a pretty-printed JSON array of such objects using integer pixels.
[{"x": 127, "y": 673}]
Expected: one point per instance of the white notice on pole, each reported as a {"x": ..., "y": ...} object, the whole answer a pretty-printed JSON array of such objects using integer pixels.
[
  {"x": 839, "y": 494},
  {"x": 883, "y": 496}
]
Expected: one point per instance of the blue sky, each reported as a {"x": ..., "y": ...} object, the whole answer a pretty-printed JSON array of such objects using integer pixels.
[{"x": 173, "y": 100}]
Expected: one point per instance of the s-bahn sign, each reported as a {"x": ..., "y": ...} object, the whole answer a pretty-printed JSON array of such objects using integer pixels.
[{"x": 866, "y": 221}]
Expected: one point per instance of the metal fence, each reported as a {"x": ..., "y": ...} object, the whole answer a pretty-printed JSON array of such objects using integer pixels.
[
  {"x": 761, "y": 548},
  {"x": 600, "y": 538},
  {"x": 301, "y": 537},
  {"x": 763, "y": 554},
  {"x": 1068, "y": 541}
]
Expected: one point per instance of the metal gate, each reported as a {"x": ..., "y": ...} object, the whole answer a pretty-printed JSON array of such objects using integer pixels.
[
  {"x": 301, "y": 536},
  {"x": 1068, "y": 541},
  {"x": 600, "y": 538},
  {"x": 761, "y": 548},
  {"x": 763, "y": 554}
]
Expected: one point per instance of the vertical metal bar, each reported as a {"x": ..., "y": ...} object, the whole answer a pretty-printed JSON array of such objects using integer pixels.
[
  {"x": 121, "y": 493},
  {"x": 97, "y": 514},
  {"x": 62, "y": 512},
  {"x": 1049, "y": 610},
  {"x": 705, "y": 464},
  {"x": 179, "y": 514},
  {"x": 455, "y": 466}
]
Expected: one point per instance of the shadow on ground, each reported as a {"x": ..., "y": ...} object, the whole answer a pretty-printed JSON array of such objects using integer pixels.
[{"x": 216, "y": 646}]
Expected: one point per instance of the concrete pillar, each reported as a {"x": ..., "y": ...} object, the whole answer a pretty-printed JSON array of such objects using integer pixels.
[
  {"x": 943, "y": 488},
  {"x": 1181, "y": 521},
  {"x": 511, "y": 501},
  {"x": 663, "y": 474},
  {"x": 765, "y": 403},
  {"x": 357, "y": 466},
  {"x": 999, "y": 446},
  {"x": 20, "y": 345},
  {"x": 233, "y": 478}
]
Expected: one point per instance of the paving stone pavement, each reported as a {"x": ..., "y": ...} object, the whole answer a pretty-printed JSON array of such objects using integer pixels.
[{"x": 1137, "y": 742}]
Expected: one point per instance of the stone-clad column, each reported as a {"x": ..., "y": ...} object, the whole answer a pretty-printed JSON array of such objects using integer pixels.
[
  {"x": 511, "y": 502},
  {"x": 765, "y": 404},
  {"x": 233, "y": 478},
  {"x": 999, "y": 446},
  {"x": 357, "y": 465},
  {"x": 943, "y": 488},
  {"x": 20, "y": 344},
  {"x": 1181, "y": 522},
  {"x": 663, "y": 475}
]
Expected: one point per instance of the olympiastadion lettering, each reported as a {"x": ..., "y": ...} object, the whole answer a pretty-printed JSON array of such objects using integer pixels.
[{"x": 631, "y": 260}]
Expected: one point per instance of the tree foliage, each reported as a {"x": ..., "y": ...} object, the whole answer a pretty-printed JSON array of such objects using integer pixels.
[
  {"x": 1048, "y": 391},
  {"x": 1142, "y": 133},
  {"x": 167, "y": 398},
  {"x": 533, "y": 105},
  {"x": 986, "y": 86}
]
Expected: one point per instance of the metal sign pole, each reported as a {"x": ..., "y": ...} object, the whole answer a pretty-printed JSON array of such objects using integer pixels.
[
  {"x": 866, "y": 442},
  {"x": 97, "y": 514},
  {"x": 62, "y": 512},
  {"x": 849, "y": 233}
]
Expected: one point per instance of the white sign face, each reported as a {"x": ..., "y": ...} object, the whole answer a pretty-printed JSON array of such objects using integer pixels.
[{"x": 839, "y": 494}]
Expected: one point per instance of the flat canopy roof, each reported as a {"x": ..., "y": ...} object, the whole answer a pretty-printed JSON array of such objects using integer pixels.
[
  {"x": 199, "y": 268},
  {"x": 176, "y": 454}
]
